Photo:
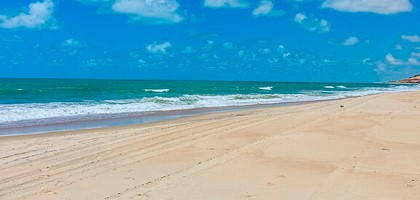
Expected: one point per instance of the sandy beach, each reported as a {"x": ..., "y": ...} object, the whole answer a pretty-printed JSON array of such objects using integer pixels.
[{"x": 356, "y": 148}]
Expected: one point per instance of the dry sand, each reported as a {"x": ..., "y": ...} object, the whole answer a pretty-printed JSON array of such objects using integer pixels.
[{"x": 368, "y": 149}]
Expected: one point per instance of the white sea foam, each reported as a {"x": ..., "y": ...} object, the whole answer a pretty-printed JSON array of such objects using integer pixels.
[
  {"x": 18, "y": 112},
  {"x": 268, "y": 88},
  {"x": 157, "y": 90},
  {"x": 342, "y": 87},
  {"x": 14, "y": 113},
  {"x": 329, "y": 87}
]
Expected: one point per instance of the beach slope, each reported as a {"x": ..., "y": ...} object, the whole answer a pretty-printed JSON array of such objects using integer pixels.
[{"x": 356, "y": 148}]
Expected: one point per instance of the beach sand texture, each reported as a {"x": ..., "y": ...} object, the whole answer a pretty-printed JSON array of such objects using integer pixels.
[{"x": 356, "y": 148}]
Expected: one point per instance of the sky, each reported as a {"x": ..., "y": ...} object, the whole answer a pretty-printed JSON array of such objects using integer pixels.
[{"x": 258, "y": 40}]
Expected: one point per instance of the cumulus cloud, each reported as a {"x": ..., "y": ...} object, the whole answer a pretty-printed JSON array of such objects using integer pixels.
[
  {"x": 266, "y": 8},
  {"x": 312, "y": 23},
  {"x": 226, "y": 3},
  {"x": 411, "y": 38},
  {"x": 282, "y": 50},
  {"x": 71, "y": 42},
  {"x": 158, "y": 48},
  {"x": 390, "y": 59},
  {"x": 373, "y": 6},
  {"x": 38, "y": 16},
  {"x": 153, "y": 11},
  {"x": 351, "y": 41},
  {"x": 299, "y": 18}
]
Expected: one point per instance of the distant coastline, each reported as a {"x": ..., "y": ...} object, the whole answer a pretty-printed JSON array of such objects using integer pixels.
[{"x": 411, "y": 80}]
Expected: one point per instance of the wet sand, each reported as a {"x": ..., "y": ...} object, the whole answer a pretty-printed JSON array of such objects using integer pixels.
[{"x": 357, "y": 148}]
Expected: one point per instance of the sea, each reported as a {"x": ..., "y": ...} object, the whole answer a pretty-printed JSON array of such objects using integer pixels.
[{"x": 29, "y": 106}]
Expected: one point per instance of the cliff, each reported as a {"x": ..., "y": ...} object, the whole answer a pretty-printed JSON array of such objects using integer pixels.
[{"x": 413, "y": 79}]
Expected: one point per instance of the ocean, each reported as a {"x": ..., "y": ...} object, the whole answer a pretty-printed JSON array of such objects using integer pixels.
[{"x": 42, "y": 105}]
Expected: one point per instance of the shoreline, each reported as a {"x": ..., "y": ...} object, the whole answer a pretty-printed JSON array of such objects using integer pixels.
[
  {"x": 353, "y": 148},
  {"x": 138, "y": 119},
  {"x": 36, "y": 116},
  {"x": 232, "y": 110}
]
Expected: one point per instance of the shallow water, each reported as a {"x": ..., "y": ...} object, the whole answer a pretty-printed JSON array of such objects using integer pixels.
[{"x": 28, "y": 103}]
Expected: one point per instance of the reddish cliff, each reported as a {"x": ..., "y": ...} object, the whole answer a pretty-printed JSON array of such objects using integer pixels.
[{"x": 413, "y": 79}]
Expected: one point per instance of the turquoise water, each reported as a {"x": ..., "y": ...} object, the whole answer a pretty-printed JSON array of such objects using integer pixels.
[{"x": 29, "y": 102}]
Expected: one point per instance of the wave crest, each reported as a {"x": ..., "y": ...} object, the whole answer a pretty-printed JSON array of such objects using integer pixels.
[{"x": 157, "y": 90}]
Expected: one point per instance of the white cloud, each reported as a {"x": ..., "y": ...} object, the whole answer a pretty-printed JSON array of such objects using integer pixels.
[
  {"x": 312, "y": 24},
  {"x": 282, "y": 50},
  {"x": 413, "y": 61},
  {"x": 158, "y": 48},
  {"x": 415, "y": 54},
  {"x": 266, "y": 9},
  {"x": 141, "y": 63},
  {"x": 351, "y": 41},
  {"x": 71, "y": 42},
  {"x": 39, "y": 16},
  {"x": 229, "y": 45},
  {"x": 152, "y": 11},
  {"x": 299, "y": 18},
  {"x": 287, "y": 54},
  {"x": 398, "y": 47},
  {"x": 367, "y": 60},
  {"x": 374, "y": 6},
  {"x": 226, "y": 3},
  {"x": 91, "y": 62},
  {"x": 411, "y": 38},
  {"x": 390, "y": 59}
]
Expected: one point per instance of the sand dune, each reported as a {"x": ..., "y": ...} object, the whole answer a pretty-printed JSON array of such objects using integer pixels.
[{"x": 357, "y": 148}]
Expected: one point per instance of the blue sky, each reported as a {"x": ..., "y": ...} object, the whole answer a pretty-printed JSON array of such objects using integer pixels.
[{"x": 265, "y": 40}]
